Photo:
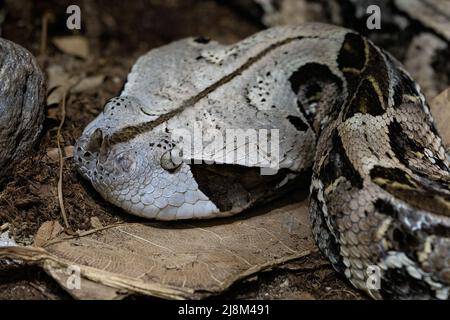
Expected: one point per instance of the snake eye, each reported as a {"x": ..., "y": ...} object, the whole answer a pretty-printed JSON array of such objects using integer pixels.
[
  {"x": 125, "y": 163},
  {"x": 171, "y": 159}
]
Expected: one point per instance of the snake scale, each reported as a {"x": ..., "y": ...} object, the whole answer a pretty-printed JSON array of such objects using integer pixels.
[{"x": 344, "y": 108}]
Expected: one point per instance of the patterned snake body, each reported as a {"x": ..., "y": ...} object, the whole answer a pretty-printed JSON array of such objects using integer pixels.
[{"x": 380, "y": 196}]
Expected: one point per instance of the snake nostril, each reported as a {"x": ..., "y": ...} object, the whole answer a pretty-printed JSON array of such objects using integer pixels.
[{"x": 95, "y": 141}]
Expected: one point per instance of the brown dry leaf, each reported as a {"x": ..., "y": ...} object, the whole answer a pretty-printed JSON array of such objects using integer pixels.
[
  {"x": 96, "y": 223},
  {"x": 440, "y": 108},
  {"x": 74, "y": 45},
  {"x": 53, "y": 153},
  {"x": 42, "y": 190},
  {"x": 59, "y": 81},
  {"x": 49, "y": 230},
  {"x": 56, "y": 75},
  {"x": 174, "y": 260},
  {"x": 88, "y": 83},
  {"x": 68, "y": 151}
]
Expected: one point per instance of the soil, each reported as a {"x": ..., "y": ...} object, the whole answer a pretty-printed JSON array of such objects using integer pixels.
[{"x": 118, "y": 32}]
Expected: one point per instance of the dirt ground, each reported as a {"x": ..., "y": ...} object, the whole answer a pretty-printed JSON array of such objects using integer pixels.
[{"x": 117, "y": 32}]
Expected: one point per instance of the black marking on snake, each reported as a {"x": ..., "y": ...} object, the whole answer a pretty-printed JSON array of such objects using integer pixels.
[
  {"x": 131, "y": 132},
  {"x": 385, "y": 207},
  {"x": 437, "y": 182},
  {"x": 397, "y": 96},
  {"x": 308, "y": 83},
  {"x": 404, "y": 147},
  {"x": 378, "y": 70},
  {"x": 202, "y": 40},
  {"x": 397, "y": 283},
  {"x": 441, "y": 164},
  {"x": 404, "y": 86},
  {"x": 338, "y": 165},
  {"x": 401, "y": 144},
  {"x": 312, "y": 91},
  {"x": 352, "y": 54},
  {"x": 310, "y": 75},
  {"x": 298, "y": 123},
  {"x": 417, "y": 193},
  {"x": 427, "y": 227},
  {"x": 403, "y": 238},
  {"x": 365, "y": 98},
  {"x": 423, "y": 198},
  {"x": 392, "y": 175},
  {"x": 365, "y": 101},
  {"x": 438, "y": 230}
]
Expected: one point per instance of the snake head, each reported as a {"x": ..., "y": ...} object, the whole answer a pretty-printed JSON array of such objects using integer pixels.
[{"x": 142, "y": 173}]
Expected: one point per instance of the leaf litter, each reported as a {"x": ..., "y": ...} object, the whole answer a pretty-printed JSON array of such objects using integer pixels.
[{"x": 192, "y": 259}]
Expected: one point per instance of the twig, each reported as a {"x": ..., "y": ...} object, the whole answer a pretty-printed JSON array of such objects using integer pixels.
[
  {"x": 74, "y": 235},
  {"x": 61, "y": 159},
  {"x": 44, "y": 34}
]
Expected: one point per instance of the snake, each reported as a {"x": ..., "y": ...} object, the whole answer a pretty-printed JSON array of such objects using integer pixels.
[{"x": 336, "y": 114}]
